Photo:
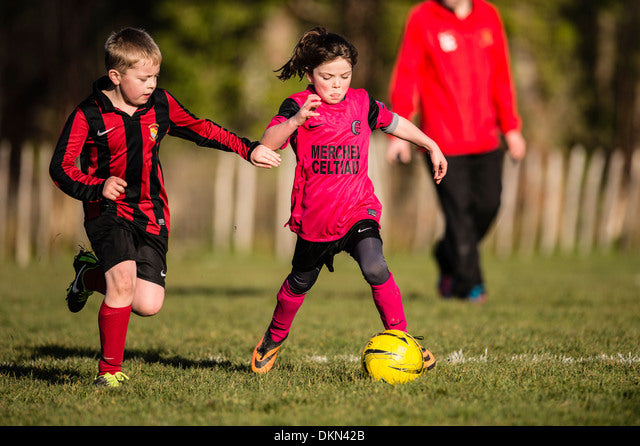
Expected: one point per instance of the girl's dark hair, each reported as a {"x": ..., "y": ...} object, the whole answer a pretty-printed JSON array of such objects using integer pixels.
[{"x": 316, "y": 47}]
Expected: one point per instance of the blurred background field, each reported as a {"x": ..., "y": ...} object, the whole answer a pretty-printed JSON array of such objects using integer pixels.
[{"x": 576, "y": 66}]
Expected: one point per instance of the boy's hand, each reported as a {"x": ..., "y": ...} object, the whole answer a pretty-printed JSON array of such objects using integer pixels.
[
  {"x": 262, "y": 156},
  {"x": 113, "y": 188}
]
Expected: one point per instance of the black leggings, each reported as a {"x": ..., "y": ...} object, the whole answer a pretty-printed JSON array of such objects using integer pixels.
[
  {"x": 470, "y": 200},
  {"x": 368, "y": 254}
]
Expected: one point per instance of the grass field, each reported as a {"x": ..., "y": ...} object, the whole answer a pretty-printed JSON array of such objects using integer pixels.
[{"x": 558, "y": 344}]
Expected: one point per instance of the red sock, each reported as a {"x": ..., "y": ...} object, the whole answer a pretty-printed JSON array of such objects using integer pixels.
[
  {"x": 389, "y": 304},
  {"x": 113, "y": 324},
  {"x": 286, "y": 309},
  {"x": 94, "y": 280}
]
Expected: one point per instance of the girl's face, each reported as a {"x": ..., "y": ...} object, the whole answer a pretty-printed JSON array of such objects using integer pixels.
[
  {"x": 137, "y": 83},
  {"x": 331, "y": 80}
]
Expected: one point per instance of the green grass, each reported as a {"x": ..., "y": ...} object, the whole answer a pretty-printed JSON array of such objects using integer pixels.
[{"x": 557, "y": 344}]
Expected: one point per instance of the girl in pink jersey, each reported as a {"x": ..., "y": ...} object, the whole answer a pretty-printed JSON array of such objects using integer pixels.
[{"x": 333, "y": 204}]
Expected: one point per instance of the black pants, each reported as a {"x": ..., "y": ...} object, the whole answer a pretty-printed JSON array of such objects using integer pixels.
[{"x": 470, "y": 198}]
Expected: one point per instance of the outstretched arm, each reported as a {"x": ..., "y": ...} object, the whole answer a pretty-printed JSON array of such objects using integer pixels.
[
  {"x": 263, "y": 156},
  {"x": 409, "y": 132}
]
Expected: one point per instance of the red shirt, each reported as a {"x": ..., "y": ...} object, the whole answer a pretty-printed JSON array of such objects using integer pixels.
[
  {"x": 456, "y": 73},
  {"x": 332, "y": 190},
  {"x": 109, "y": 142}
]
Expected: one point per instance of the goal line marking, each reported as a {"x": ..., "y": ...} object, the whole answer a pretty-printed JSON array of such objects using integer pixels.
[{"x": 459, "y": 357}]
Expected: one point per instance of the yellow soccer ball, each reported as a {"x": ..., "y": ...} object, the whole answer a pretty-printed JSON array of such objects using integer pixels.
[{"x": 393, "y": 357}]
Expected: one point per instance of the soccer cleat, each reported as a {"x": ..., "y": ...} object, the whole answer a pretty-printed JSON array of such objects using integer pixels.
[
  {"x": 429, "y": 360},
  {"x": 477, "y": 294},
  {"x": 427, "y": 356},
  {"x": 445, "y": 286},
  {"x": 77, "y": 292},
  {"x": 264, "y": 355},
  {"x": 110, "y": 380}
]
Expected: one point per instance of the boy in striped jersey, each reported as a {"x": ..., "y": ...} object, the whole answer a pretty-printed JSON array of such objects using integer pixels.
[{"x": 116, "y": 133}]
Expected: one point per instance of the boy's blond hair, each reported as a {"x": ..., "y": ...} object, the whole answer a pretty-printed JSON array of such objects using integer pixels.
[{"x": 125, "y": 48}]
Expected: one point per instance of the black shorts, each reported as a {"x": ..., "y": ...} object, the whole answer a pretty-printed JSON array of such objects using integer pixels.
[
  {"x": 309, "y": 255},
  {"x": 115, "y": 240}
]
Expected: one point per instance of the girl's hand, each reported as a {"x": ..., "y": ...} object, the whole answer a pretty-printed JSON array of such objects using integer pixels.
[
  {"x": 439, "y": 164},
  {"x": 308, "y": 109},
  {"x": 262, "y": 156}
]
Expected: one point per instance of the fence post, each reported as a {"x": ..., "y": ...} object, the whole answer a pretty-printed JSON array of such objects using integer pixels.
[
  {"x": 571, "y": 206},
  {"x": 589, "y": 205},
  {"x": 45, "y": 199},
  {"x": 429, "y": 220},
  {"x": 223, "y": 195},
  {"x": 552, "y": 202},
  {"x": 285, "y": 239},
  {"x": 245, "y": 206},
  {"x": 531, "y": 202},
  {"x": 23, "y": 206},
  {"x": 5, "y": 158},
  {"x": 379, "y": 174},
  {"x": 505, "y": 222},
  {"x": 610, "y": 217},
  {"x": 631, "y": 230}
]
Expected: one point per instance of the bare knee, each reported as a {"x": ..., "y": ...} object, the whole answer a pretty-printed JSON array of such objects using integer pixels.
[
  {"x": 121, "y": 285},
  {"x": 148, "y": 299},
  {"x": 146, "y": 310}
]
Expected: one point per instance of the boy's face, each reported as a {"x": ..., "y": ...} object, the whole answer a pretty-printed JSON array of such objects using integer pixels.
[
  {"x": 137, "y": 83},
  {"x": 332, "y": 80}
]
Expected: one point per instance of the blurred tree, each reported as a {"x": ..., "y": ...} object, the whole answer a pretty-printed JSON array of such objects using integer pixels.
[
  {"x": 576, "y": 62},
  {"x": 609, "y": 50},
  {"x": 50, "y": 53},
  {"x": 577, "y": 69}
]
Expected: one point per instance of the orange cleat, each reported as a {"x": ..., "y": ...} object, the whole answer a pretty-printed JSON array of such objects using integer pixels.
[{"x": 264, "y": 355}]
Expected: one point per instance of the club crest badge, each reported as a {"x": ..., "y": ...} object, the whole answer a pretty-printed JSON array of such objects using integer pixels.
[
  {"x": 355, "y": 127},
  {"x": 486, "y": 38},
  {"x": 153, "y": 131},
  {"x": 448, "y": 42}
]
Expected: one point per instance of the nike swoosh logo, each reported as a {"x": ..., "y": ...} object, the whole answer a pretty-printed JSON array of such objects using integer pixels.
[
  {"x": 261, "y": 360},
  {"x": 102, "y": 133},
  {"x": 268, "y": 354},
  {"x": 363, "y": 229},
  {"x": 314, "y": 126},
  {"x": 74, "y": 287}
]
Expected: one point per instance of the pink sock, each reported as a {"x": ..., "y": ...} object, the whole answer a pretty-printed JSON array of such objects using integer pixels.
[
  {"x": 286, "y": 309},
  {"x": 113, "y": 324},
  {"x": 389, "y": 304}
]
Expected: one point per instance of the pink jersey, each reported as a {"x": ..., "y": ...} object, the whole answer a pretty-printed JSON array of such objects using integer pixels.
[{"x": 332, "y": 189}]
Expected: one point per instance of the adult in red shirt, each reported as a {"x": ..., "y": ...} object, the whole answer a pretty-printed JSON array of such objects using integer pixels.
[{"x": 453, "y": 68}]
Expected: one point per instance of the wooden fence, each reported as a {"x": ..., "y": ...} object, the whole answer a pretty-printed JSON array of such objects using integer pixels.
[{"x": 552, "y": 203}]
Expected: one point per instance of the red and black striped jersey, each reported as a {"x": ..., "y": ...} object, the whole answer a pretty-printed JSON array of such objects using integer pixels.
[{"x": 109, "y": 142}]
